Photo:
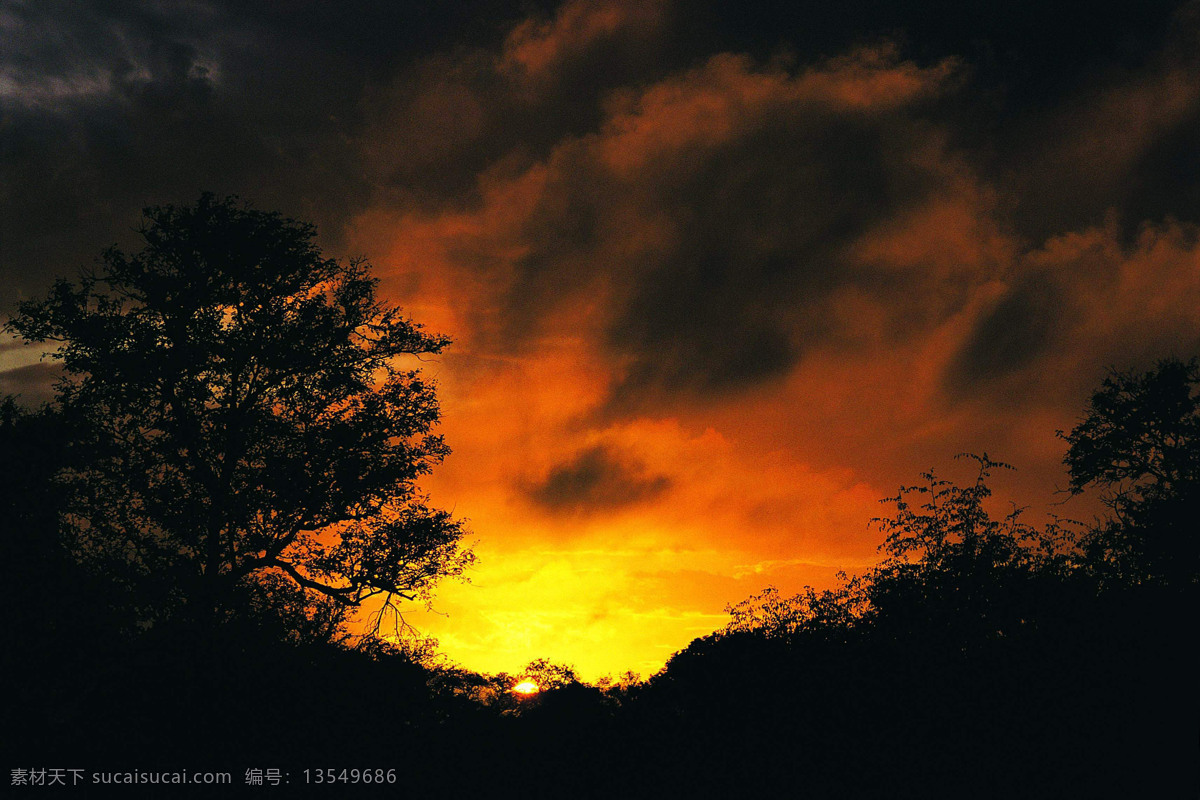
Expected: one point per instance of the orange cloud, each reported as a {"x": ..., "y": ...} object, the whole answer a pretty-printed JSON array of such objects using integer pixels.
[
  {"x": 536, "y": 48},
  {"x": 708, "y": 304},
  {"x": 701, "y": 336}
]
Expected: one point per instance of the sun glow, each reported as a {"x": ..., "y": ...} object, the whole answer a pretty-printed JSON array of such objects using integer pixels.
[{"x": 526, "y": 688}]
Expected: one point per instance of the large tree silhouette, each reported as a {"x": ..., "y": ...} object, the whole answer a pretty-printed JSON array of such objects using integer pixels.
[
  {"x": 242, "y": 409},
  {"x": 1139, "y": 442}
]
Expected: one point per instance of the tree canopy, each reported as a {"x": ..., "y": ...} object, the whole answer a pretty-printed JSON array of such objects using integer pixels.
[
  {"x": 1139, "y": 442},
  {"x": 244, "y": 410}
]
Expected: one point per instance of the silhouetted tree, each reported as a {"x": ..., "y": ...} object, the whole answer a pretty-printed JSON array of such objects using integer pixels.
[
  {"x": 773, "y": 615},
  {"x": 548, "y": 675},
  {"x": 1139, "y": 441},
  {"x": 33, "y": 562},
  {"x": 951, "y": 563},
  {"x": 976, "y": 658},
  {"x": 241, "y": 407}
]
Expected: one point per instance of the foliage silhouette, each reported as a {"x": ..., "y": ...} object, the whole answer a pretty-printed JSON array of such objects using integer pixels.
[
  {"x": 242, "y": 409},
  {"x": 548, "y": 675},
  {"x": 983, "y": 656},
  {"x": 979, "y": 657},
  {"x": 1139, "y": 441}
]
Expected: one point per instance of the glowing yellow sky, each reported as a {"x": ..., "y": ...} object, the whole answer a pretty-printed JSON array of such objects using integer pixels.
[
  {"x": 776, "y": 485},
  {"x": 625, "y": 471}
]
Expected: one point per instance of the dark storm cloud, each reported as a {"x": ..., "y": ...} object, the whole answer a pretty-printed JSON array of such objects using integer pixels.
[
  {"x": 1166, "y": 178},
  {"x": 109, "y": 106},
  {"x": 744, "y": 187},
  {"x": 313, "y": 107},
  {"x": 1123, "y": 143},
  {"x": 112, "y": 106},
  {"x": 1085, "y": 302},
  {"x": 324, "y": 110},
  {"x": 1018, "y": 328},
  {"x": 596, "y": 479},
  {"x": 762, "y": 225},
  {"x": 31, "y": 383},
  {"x": 1030, "y": 53},
  {"x": 440, "y": 123},
  {"x": 1167, "y": 181}
]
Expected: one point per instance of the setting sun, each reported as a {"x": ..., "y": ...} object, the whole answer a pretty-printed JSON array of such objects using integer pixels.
[{"x": 526, "y": 687}]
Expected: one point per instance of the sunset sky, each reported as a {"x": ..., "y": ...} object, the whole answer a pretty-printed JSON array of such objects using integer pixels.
[{"x": 719, "y": 275}]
